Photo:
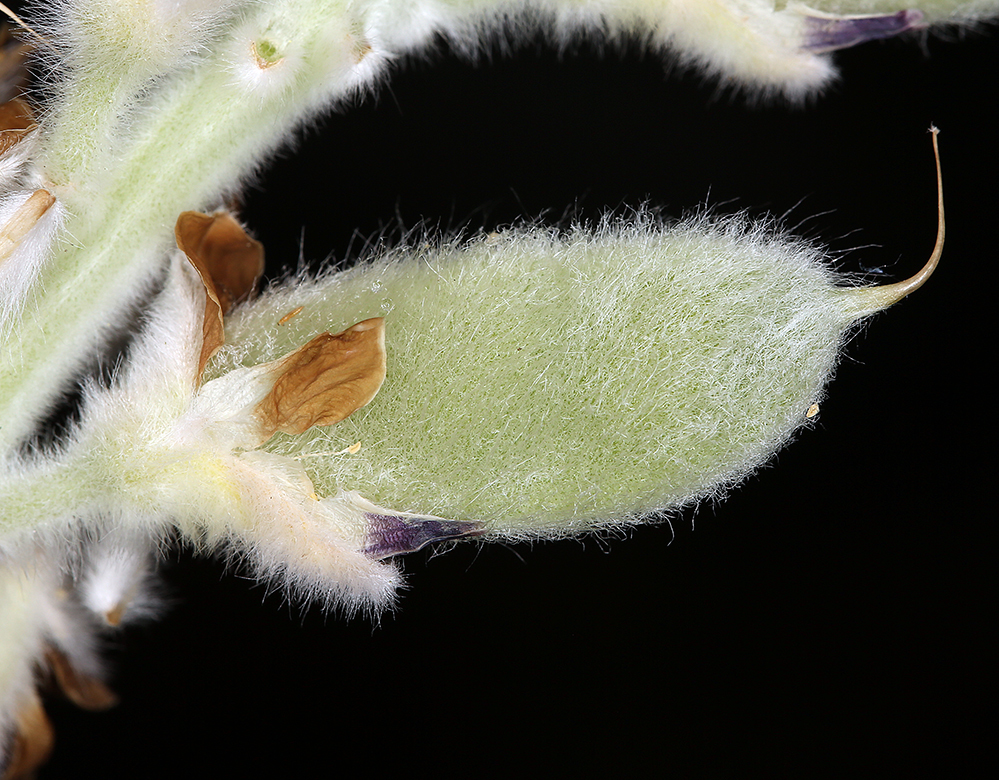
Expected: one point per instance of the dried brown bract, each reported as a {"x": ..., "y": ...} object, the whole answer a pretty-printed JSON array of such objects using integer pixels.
[{"x": 326, "y": 380}]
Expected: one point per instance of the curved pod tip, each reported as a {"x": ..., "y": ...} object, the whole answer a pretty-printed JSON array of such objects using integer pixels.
[{"x": 868, "y": 300}]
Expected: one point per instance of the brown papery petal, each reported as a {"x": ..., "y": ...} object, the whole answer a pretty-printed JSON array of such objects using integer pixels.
[
  {"x": 326, "y": 380},
  {"x": 81, "y": 689},
  {"x": 16, "y": 121},
  {"x": 16, "y": 115},
  {"x": 32, "y": 742},
  {"x": 234, "y": 261},
  {"x": 229, "y": 263},
  {"x": 212, "y": 331}
]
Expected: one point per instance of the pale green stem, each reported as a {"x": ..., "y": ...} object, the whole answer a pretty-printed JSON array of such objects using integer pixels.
[{"x": 205, "y": 133}]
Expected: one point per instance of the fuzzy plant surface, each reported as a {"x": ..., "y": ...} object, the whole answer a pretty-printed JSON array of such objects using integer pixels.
[{"x": 531, "y": 384}]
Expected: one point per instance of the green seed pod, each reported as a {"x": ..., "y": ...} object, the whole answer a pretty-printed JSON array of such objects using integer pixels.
[{"x": 545, "y": 385}]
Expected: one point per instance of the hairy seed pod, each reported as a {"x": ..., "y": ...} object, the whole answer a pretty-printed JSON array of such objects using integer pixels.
[{"x": 547, "y": 384}]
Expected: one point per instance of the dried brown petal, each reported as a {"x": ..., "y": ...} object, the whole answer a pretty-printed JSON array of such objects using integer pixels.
[
  {"x": 16, "y": 114},
  {"x": 229, "y": 263},
  {"x": 32, "y": 742},
  {"x": 16, "y": 121},
  {"x": 234, "y": 261},
  {"x": 212, "y": 331},
  {"x": 325, "y": 381},
  {"x": 81, "y": 689},
  {"x": 23, "y": 220}
]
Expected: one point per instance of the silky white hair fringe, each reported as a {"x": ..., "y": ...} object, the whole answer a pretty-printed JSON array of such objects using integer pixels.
[{"x": 511, "y": 300}]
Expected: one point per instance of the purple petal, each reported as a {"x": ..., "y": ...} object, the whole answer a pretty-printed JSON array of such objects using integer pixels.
[
  {"x": 829, "y": 34},
  {"x": 390, "y": 535}
]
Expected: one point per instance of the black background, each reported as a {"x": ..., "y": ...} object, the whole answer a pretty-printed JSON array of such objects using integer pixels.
[{"x": 832, "y": 618}]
